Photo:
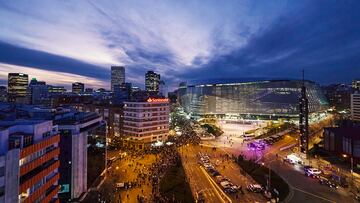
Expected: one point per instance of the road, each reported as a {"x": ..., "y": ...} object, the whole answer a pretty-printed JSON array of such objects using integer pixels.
[
  {"x": 201, "y": 181},
  {"x": 303, "y": 189}
]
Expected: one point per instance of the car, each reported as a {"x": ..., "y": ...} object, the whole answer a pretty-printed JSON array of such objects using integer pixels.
[
  {"x": 267, "y": 194},
  {"x": 313, "y": 172},
  {"x": 225, "y": 184},
  {"x": 255, "y": 188},
  {"x": 119, "y": 185},
  {"x": 214, "y": 173},
  {"x": 230, "y": 190},
  {"x": 330, "y": 183},
  {"x": 306, "y": 167}
]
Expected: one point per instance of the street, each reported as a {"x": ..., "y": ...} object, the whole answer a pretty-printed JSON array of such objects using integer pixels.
[{"x": 200, "y": 181}]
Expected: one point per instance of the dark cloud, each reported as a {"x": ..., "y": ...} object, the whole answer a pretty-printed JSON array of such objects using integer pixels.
[
  {"x": 16, "y": 55},
  {"x": 322, "y": 37}
]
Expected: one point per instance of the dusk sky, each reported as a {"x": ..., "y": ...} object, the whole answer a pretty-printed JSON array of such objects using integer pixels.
[{"x": 62, "y": 42}]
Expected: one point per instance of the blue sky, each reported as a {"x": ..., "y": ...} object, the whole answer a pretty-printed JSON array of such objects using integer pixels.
[{"x": 66, "y": 41}]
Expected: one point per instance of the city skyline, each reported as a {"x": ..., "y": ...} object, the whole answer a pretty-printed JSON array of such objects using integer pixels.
[{"x": 180, "y": 40}]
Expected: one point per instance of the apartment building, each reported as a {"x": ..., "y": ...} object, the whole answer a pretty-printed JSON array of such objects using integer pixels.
[{"x": 29, "y": 161}]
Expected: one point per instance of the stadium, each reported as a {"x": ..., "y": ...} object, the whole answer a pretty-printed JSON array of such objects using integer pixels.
[{"x": 249, "y": 98}]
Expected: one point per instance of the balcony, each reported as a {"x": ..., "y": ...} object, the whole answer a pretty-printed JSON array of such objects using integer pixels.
[
  {"x": 39, "y": 161},
  {"x": 49, "y": 184},
  {"x": 34, "y": 176},
  {"x": 38, "y": 146}
]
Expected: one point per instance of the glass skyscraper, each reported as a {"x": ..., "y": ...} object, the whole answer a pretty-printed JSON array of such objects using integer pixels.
[{"x": 117, "y": 76}]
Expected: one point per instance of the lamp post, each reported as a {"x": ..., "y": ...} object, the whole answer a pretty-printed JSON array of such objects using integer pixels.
[{"x": 351, "y": 168}]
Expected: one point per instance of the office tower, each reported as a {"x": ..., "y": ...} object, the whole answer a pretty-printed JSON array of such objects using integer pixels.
[
  {"x": 38, "y": 92},
  {"x": 78, "y": 87},
  {"x": 152, "y": 81},
  {"x": 17, "y": 87},
  {"x": 146, "y": 122},
  {"x": 304, "y": 120},
  {"x": 117, "y": 76},
  {"x": 355, "y": 106},
  {"x": 3, "y": 94},
  {"x": 56, "y": 90},
  {"x": 29, "y": 161},
  {"x": 122, "y": 93},
  {"x": 82, "y": 155},
  {"x": 356, "y": 84}
]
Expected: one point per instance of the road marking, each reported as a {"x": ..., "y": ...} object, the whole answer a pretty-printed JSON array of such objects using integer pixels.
[
  {"x": 323, "y": 198},
  {"x": 216, "y": 187}
]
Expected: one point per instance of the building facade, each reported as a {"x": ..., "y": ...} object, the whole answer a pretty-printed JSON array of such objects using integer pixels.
[
  {"x": 18, "y": 87},
  {"x": 39, "y": 92},
  {"x": 249, "y": 98},
  {"x": 152, "y": 81},
  {"x": 117, "y": 76},
  {"x": 343, "y": 141},
  {"x": 356, "y": 84},
  {"x": 146, "y": 122},
  {"x": 78, "y": 88},
  {"x": 29, "y": 161},
  {"x": 3, "y": 94},
  {"x": 83, "y": 152},
  {"x": 338, "y": 95},
  {"x": 355, "y": 107}
]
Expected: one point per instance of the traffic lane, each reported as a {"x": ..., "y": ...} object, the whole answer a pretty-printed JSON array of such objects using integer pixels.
[
  {"x": 198, "y": 181},
  {"x": 231, "y": 171},
  {"x": 304, "y": 197},
  {"x": 302, "y": 183}
]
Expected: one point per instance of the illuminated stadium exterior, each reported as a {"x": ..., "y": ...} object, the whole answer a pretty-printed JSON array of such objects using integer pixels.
[{"x": 249, "y": 98}]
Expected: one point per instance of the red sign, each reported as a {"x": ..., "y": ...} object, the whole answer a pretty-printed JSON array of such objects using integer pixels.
[{"x": 157, "y": 100}]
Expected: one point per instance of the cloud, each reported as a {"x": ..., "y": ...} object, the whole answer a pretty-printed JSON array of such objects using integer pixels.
[
  {"x": 322, "y": 38},
  {"x": 183, "y": 40},
  {"x": 57, "y": 78}
]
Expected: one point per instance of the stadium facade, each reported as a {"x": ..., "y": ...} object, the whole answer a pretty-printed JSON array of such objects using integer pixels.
[{"x": 249, "y": 98}]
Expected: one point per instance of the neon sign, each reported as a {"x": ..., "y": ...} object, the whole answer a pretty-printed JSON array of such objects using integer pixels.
[{"x": 157, "y": 100}]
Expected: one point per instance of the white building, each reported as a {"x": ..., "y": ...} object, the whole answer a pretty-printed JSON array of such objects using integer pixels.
[
  {"x": 146, "y": 122},
  {"x": 355, "y": 106}
]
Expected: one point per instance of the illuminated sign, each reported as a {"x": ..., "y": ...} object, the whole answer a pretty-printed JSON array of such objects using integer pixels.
[{"x": 157, "y": 100}]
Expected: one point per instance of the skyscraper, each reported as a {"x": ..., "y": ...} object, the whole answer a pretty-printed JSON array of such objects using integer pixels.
[
  {"x": 17, "y": 87},
  {"x": 117, "y": 76},
  {"x": 152, "y": 81},
  {"x": 304, "y": 120},
  {"x": 355, "y": 106},
  {"x": 78, "y": 87}
]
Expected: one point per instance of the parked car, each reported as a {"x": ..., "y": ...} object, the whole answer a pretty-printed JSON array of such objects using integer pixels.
[
  {"x": 330, "y": 183},
  {"x": 255, "y": 188},
  {"x": 313, "y": 172}
]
